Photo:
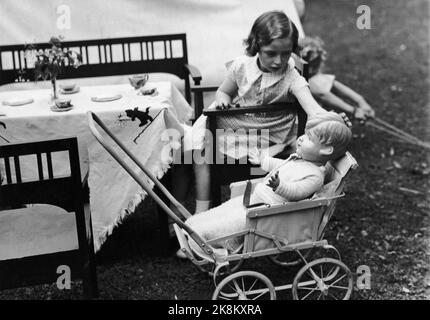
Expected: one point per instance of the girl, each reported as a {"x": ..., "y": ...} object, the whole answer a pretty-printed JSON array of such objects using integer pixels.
[
  {"x": 265, "y": 75},
  {"x": 325, "y": 88}
]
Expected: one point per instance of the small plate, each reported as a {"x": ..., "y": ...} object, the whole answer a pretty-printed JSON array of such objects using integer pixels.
[
  {"x": 76, "y": 90},
  {"x": 17, "y": 101},
  {"x": 56, "y": 109},
  {"x": 106, "y": 98}
]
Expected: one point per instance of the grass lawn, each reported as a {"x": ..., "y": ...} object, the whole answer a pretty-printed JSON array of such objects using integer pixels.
[{"x": 377, "y": 224}]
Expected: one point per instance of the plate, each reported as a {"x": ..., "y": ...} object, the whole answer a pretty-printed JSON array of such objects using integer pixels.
[
  {"x": 77, "y": 89},
  {"x": 17, "y": 101},
  {"x": 56, "y": 109},
  {"x": 106, "y": 98}
]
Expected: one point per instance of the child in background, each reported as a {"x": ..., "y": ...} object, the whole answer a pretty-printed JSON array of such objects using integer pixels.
[
  {"x": 327, "y": 138},
  {"x": 265, "y": 75},
  {"x": 325, "y": 88}
]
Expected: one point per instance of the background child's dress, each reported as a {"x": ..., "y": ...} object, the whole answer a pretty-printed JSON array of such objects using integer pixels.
[{"x": 321, "y": 83}]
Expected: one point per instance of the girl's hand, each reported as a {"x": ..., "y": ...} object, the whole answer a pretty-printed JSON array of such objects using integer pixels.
[
  {"x": 359, "y": 114},
  {"x": 367, "y": 109},
  {"x": 254, "y": 156},
  {"x": 274, "y": 181}
]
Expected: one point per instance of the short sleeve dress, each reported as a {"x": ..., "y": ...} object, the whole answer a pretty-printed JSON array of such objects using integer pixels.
[{"x": 256, "y": 87}]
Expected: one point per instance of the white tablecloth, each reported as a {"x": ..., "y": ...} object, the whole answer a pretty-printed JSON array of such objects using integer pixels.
[{"x": 113, "y": 193}]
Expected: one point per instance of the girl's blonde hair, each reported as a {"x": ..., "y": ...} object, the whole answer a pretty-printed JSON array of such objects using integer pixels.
[
  {"x": 312, "y": 50},
  {"x": 269, "y": 26}
]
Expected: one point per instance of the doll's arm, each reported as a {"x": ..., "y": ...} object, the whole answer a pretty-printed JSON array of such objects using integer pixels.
[
  {"x": 225, "y": 92},
  {"x": 270, "y": 163},
  {"x": 308, "y": 102},
  {"x": 301, "y": 189},
  {"x": 354, "y": 96}
]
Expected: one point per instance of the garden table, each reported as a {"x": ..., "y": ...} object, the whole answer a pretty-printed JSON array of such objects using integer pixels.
[{"x": 113, "y": 193}]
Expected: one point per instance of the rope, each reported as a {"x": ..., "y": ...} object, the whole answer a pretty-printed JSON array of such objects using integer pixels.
[{"x": 396, "y": 132}]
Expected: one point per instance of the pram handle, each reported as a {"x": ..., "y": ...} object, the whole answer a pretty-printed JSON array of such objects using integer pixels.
[{"x": 92, "y": 119}]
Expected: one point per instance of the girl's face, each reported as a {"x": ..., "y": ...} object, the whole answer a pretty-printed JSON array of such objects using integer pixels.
[{"x": 275, "y": 56}]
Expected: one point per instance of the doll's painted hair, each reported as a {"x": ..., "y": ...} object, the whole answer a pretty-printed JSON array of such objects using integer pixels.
[
  {"x": 269, "y": 26},
  {"x": 330, "y": 129},
  {"x": 312, "y": 49}
]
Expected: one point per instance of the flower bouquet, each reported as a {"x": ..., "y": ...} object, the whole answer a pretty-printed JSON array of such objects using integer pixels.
[{"x": 49, "y": 63}]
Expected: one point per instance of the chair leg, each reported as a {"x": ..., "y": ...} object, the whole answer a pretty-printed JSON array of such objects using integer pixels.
[
  {"x": 89, "y": 274},
  {"x": 90, "y": 285},
  {"x": 215, "y": 187}
]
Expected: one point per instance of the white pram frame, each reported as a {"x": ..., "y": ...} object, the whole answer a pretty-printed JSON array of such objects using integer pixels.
[{"x": 311, "y": 281}]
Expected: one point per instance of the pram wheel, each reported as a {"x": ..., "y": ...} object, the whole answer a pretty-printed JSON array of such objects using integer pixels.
[
  {"x": 323, "y": 279},
  {"x": 245, "y": 285},
  {"x": 290, "y": 258}
]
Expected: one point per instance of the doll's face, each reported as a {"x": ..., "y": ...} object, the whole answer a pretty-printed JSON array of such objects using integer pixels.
[
  {"x": 309, "y": 148},
  {"x": 275, "y": 56}
]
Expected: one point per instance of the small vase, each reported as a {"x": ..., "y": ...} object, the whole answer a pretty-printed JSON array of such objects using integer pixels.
[{"x": 54, "y": 87}]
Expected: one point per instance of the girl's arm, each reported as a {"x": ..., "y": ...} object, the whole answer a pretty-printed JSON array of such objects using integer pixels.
[
  {"x": 308, "y": 102},
  {"x": 330, "y": 99},
  {"x": 354, "y": 96},
  {"x": 225, "y": 92}
]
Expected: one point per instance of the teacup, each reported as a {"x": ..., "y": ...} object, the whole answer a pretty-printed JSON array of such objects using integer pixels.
[
  {"x": 68, "y": 86},
  {"x": 138, "y": 81},
  {"x": 63, "y": 103}
]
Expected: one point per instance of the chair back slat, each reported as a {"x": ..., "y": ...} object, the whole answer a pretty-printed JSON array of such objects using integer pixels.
[
  {"x": 17, "y": 169},
  {"x": 7, "y": 169},
  {"x": 49, "y": 162},
  {"x": 39, "y": 165}
]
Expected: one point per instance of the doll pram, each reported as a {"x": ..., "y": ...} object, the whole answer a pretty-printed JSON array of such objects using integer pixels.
[{"x": 288, "y": 230}]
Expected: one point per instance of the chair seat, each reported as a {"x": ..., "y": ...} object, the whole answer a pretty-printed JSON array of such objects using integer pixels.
[{"x": 39, "y": 229}]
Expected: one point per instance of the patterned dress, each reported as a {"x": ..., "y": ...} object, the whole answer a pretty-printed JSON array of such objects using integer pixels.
[{"x": 256, "y": 87}]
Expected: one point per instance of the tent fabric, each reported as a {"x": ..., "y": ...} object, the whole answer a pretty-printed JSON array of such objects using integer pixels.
[{"x": 215, "y": 28}]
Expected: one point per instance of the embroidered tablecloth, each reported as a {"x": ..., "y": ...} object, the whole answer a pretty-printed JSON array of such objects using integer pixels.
[{"x": 113, "y": 193}]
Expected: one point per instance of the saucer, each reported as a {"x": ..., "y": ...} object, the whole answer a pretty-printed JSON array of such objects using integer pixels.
[
  {"x": 17, "y": 101},
  {"x": 75, "y": 90},
  {"x": 56, "y": 109},
  {"x": 106, "y": 98}
]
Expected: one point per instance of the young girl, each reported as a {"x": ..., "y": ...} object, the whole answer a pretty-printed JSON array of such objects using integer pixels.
[
  {"x": 265, "y": 75},
  {"x": 325, "y": 88}
]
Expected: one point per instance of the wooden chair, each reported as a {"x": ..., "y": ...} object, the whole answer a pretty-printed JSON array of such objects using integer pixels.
[
  {"x": 45, "y": 225},
  {"x": 227, "y": 171},
  {"x": 147, "y": 54}
]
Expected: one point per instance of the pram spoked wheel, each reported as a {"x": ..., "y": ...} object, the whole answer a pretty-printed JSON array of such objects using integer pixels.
[
  {"x": 323, "y": 279},
  {"x": 245, "y": 285}
]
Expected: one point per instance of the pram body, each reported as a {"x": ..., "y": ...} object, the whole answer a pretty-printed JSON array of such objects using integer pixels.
[{"x": 289, "y": 230}]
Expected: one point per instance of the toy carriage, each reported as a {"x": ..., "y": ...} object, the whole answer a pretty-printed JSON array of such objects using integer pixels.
[{"x": 287, "y": 234}]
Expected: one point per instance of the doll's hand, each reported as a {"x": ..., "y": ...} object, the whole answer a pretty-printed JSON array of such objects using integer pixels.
[
  {"x": 254, "y": 156},
  {"x": 274, "y": 181}
]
